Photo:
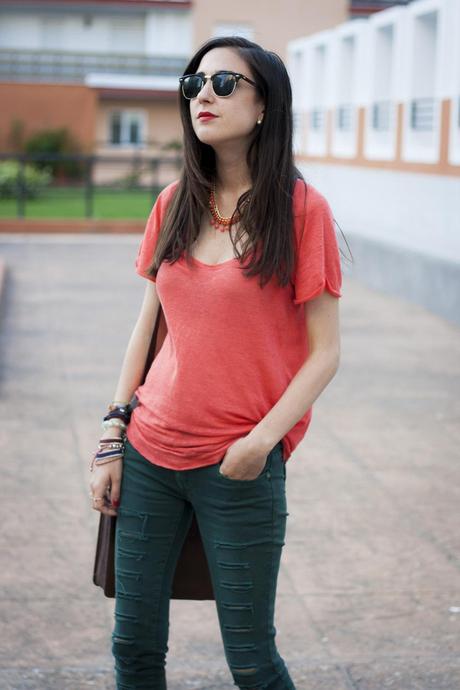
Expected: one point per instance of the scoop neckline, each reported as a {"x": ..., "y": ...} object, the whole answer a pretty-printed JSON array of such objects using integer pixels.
[{"x": 222, "y": 263}]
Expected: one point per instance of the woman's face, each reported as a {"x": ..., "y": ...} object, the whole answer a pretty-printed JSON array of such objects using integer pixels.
[{"x": 237, "y": 114}]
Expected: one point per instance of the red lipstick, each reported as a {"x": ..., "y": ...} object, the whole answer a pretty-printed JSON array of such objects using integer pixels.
[{"x": 206, "y": 115}]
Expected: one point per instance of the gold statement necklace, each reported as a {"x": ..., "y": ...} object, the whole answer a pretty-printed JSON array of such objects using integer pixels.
[{"x": 218, "y": 221}]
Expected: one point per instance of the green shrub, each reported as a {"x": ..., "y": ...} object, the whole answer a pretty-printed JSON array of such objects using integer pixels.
[
  {"x": 172, "y": 145},
  {"x": 34, "y": 180},
  {"x": 56, "y": 141}
]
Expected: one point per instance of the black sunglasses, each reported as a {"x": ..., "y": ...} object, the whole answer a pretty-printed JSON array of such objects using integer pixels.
[{"x": 223, "y": 83}]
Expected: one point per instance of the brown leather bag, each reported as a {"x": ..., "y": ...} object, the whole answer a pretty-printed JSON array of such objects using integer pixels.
[{"x": 192, "y": 579}]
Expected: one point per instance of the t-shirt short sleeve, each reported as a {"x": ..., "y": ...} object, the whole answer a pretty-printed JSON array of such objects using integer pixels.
[
  {"x": 152, "y": 231},
  {"x": 317, "y": 265}
]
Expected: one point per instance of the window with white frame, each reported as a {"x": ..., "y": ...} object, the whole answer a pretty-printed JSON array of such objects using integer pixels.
[{"x": 127, "y": 127}]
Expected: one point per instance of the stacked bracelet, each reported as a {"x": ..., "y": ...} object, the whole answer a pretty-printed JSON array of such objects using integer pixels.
[
  {"x": 119, "y": 412},
  {"x": 109, "y": 449},
  {"x": 119, "y": 415},
  {"x": 107, "y": 423}
]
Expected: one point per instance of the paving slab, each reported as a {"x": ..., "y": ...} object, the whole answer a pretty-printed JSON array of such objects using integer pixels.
[{"x": 369, "y": 585}]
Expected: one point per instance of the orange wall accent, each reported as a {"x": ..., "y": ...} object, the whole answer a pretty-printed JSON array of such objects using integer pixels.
[
  {"x": 48, "y": 106},
  {"x": 442, "y": 167},
  {"x": 446, "y": 115}
]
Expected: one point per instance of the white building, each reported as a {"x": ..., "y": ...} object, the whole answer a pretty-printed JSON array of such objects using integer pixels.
[{"x": 377, "y": 127}]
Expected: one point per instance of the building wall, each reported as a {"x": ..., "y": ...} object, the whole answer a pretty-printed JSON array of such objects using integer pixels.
[
  {"x": 66, "y": 64},
  {"x": 154, "y": 31},
  {"x": 377, "y": 129},
  {"x": 272, "y": 24},
  {"x": 62, "y": 34},
  {"x": 48, "y": 106},
  {"x": 162, "y": 122}
]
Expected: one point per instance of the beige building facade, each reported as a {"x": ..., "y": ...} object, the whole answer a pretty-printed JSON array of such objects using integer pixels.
[
  {"x": 114, "y": 66},
  {"x": 272, "y": 24}
]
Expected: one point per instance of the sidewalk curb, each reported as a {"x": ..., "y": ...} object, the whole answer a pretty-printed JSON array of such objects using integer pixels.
[{"x": 80, "y": 225}]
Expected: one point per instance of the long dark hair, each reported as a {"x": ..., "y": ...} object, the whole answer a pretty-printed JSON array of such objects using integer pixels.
[{"x": 266, "y": 210}]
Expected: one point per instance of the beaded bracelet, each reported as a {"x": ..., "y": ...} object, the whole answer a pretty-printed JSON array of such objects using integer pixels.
[
  {"x": 107, "y": 423},
  {"x": 109, "y": 450}
]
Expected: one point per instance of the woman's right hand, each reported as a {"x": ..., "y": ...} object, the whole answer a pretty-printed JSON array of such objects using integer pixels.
[{"x": 106, "y": 481}]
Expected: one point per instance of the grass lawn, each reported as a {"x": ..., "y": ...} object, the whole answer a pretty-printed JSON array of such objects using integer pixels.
[{"x": 70, "y": 203}]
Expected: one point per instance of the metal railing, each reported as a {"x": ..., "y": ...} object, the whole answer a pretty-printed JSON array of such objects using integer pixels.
[
  {"x": 93, "y": 173},
  {"x": 73, "y": 66}
]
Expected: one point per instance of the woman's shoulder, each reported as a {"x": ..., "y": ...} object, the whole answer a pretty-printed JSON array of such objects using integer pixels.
[
  {"x": 307, "y": 197},
  {"x": 167, "y": 192},
  {"x": 162, "y": 201}
]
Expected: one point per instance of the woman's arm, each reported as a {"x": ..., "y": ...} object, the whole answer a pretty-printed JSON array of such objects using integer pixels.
[
  {"x": 133, "y": 365},
  {"x": 108, "y": 475},
  {"x": 322, "y": 318}
]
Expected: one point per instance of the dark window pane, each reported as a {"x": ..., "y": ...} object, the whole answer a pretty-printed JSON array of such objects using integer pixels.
[
  {"x": 115, "y": 129},
  {"x": 134, "y": 134}
]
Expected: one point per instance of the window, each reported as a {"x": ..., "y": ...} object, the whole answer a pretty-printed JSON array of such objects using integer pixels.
[{"x": 127, "y": 127}]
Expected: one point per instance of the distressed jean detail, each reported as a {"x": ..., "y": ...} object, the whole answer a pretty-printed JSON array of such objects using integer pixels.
[{"x": 242, "y": 525}]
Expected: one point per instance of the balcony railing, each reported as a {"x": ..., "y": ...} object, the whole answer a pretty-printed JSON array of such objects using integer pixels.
[{"x": 43, "y": 65}]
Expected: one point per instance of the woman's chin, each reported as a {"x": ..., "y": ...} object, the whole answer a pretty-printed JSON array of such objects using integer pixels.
[
  {"x": 207, "y": 137},
  {"x": 213, "y": 142},
  {"x": 216, "y": 141}
]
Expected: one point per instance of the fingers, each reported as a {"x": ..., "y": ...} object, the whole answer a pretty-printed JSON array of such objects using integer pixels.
[
  {"x": 101, "y": 501},
  {"x": 103, "y": 505},
  {"x": 115, "y": 493},
  {"x": 105, "y": 488}
]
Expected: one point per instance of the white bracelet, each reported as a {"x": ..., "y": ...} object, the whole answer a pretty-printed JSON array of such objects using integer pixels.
[{"x": 107, "y": 423}]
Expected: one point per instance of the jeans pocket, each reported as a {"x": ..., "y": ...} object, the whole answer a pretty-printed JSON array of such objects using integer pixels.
[
  {"x": 265, "y": 469},
  {"x": 277, "y": 464}
]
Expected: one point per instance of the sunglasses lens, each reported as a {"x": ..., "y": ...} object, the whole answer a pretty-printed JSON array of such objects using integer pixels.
[
  {"x": 191, "y": 86},
  {"x": 223, "y": 84}
]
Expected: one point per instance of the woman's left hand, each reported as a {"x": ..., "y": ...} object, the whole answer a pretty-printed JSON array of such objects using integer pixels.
[{"x": 244, "y": 459}]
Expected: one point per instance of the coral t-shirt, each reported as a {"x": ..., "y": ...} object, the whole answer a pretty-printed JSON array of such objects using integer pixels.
[{"x": 232, "y": 347}]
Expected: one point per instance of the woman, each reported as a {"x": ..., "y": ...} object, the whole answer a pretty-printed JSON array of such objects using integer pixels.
[{"x": 247, "y": 270}]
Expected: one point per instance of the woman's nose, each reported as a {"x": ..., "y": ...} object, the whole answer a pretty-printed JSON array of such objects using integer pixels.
[{"x": 206, "y": 91}]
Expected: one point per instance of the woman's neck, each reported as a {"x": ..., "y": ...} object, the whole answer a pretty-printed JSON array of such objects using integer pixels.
[{"x": 233, "y": 174}]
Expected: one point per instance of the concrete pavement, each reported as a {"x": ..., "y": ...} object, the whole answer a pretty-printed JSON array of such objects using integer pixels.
[{"x": 369, "y": 587}]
